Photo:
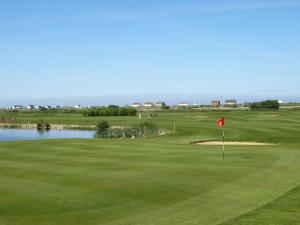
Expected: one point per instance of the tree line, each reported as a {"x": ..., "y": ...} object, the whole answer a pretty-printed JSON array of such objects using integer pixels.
[
  {"x": 265, "y": 105},
  {"x": 110, "y": 111}
]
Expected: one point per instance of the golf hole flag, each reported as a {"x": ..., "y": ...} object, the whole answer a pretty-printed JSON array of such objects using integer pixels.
[{"x": 221, "y": 122}]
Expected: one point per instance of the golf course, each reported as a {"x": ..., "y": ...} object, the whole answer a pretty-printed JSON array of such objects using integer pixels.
[{"x": 159, "y": 180}]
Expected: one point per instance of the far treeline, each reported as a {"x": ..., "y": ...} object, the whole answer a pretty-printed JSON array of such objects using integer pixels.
[
  {"x": 265, "y": 105},
  {"x": 110, "y": 111}
]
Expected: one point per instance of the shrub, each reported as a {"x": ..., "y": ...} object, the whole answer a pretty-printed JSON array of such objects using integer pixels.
[
  {"x": 141, "y": 130},
  {"x": 41, "y": 125},
  {"x": 145, "y": 129}
]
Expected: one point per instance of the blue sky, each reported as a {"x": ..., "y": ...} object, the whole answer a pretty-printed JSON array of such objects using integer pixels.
[{"x": 131, "y": 50}]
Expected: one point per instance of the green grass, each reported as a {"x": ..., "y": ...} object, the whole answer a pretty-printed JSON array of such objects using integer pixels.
[
  {"x": 157, "y": 181},
  {"x": 284, "y": 210}
]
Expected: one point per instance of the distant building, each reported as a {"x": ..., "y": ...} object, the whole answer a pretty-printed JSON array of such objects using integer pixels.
[
  {"x": 148, "y": 105},
  {"x": 30, "y": 107},
  {"x": 215, "y": 103},
  {"x": 48, "y": 107},
  {"x": 183, "y": 104},
  {"x": 42, "y": 108},
  {"x": 57, "y": 107},
  {"x": 17, "y": 107},
  {"x": 230, "y": 103},
  {"x": 136, "y": 105},
  {"x": 247, "y": 104},
  {"x": 68, "y": 107},
  {"x": 77, "y": 107},
  {"x": 160, "y": 104}
]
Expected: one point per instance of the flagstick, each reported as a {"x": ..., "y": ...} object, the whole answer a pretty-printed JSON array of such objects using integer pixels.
[{"x": 223, "y": 143}]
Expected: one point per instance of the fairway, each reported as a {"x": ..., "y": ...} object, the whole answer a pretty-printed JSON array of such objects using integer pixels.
[{"x": 162, "y": 180}]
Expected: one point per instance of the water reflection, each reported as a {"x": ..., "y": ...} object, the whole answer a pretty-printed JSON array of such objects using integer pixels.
[
  {"x": 32, "y": 134},
  {"x": 42, "y": 131}
]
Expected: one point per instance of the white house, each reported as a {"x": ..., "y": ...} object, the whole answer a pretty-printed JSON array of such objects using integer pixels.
[
  {"x": 40, "y": 107},
  {"x": 136, "y": 105},
  {"x": 148, "y": 105},
  {"x": 183, "y": 104}
]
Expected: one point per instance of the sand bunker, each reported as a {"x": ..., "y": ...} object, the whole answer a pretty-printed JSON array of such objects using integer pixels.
[{"x": 230, "y": 143}]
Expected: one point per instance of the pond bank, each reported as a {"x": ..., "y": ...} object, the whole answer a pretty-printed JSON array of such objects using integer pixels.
[
  {"x": 65, "y": 127},
  {"x": 53, "y": 126}
]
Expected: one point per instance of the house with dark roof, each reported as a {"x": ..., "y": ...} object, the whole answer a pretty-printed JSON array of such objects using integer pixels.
[
  {"x": 30, "y": 107},
  {"x": 17, "y": 107},
  {"x": 215, "y": 103},
  {"x": 230, "y": 103}
]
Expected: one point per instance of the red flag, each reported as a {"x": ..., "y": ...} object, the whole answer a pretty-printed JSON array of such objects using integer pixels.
[{"x": 221, "y": 122}]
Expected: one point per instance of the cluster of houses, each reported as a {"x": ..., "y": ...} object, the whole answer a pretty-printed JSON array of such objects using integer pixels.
[
  {"x": 146, "y": 105},
  {"x": 31, "y": 107},
  {"x": 227, "y": 103},
  {"x": 149, "y": 105},
  {"x": 214, "y": 103},
  {"x": 39, "y": 107}
]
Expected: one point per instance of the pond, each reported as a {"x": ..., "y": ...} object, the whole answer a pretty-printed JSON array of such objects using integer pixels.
[{"x": 7, "y": 134}]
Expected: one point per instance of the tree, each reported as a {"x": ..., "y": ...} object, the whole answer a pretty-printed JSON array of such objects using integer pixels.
[
  {"x": 164, "y": 106},
  {"x": 102, "y": 126}
]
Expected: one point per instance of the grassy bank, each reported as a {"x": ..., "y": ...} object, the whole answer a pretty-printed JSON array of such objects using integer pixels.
[{"x": 156, "y": 181}]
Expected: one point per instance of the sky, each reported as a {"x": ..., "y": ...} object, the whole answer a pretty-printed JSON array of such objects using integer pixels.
[{"x": 122, "y": 51}]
